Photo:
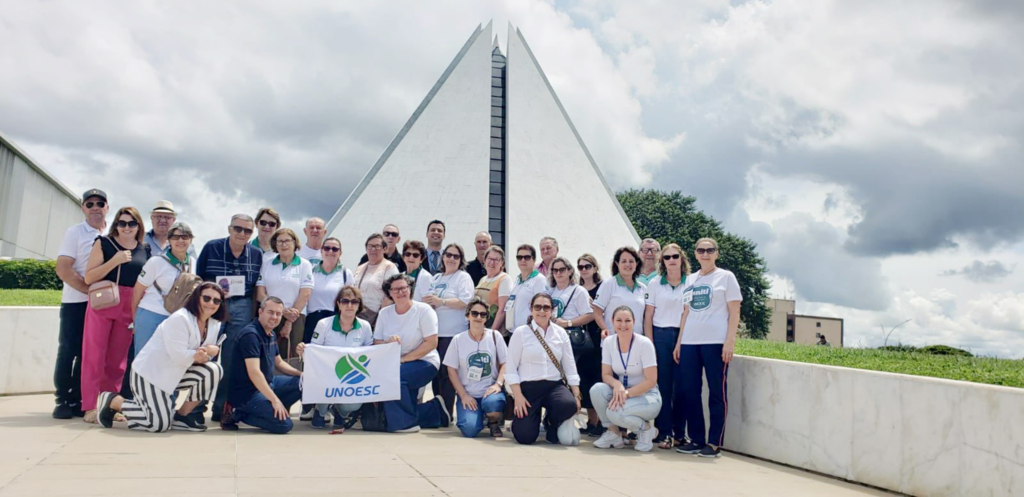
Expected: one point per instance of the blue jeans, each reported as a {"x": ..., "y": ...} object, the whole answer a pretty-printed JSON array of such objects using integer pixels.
[
  {"x": 470, "y": 423},
  {"x": 669, "y": 423},
  {"x": 340, "y": 411},
  {"x": 405, "y": 412},
  {"x": 632, "y": 415},
  {"x": 239, "y": 315},
  {"x": 146, "y": 323},
  {"x": 259, "y": 412}
]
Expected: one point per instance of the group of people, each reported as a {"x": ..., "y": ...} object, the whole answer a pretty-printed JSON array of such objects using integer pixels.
[{"x": 536, "y": 348}]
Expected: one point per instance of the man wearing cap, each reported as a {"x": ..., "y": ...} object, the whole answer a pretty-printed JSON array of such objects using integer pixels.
[
  {"x": 71, "y": 262},
  {"x": 163, "y": 217}
]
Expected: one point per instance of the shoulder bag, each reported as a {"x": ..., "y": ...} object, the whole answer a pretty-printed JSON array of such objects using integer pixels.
[
  {"x": 372, "y": 417},
  {"x": 181, "y": 290},
  {"x": 104, "y": 293}
]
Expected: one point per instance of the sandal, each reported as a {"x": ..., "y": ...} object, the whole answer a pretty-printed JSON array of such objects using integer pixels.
[
  {"x": 118, "y": 417},
  {"x": 666, "y": 444}
]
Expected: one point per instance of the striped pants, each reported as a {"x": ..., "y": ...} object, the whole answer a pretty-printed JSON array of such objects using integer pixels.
[{"x": 153, "y": 409}]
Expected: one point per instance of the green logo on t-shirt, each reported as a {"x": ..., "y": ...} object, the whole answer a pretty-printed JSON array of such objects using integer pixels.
[
  {"x": 701, "y": 298},
  {"x": 559, "y": 307},
  {"x": 481, "y": 360}
]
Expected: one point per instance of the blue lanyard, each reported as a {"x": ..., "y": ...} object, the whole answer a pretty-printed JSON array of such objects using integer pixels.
[{"x": 625, "y": 377}]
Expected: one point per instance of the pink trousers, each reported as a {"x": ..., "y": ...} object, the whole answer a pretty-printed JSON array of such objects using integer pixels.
[{"x": 105, "y": 342}]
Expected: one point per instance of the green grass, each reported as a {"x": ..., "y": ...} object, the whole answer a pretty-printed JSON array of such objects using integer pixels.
[
  {"x": 9, "y": 298},
  {"x": 1006, "y": 372}
]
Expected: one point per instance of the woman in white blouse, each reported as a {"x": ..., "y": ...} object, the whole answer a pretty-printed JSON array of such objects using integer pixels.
[
  {"x": 178, "y": 357},
  {"x": 289, "y": 278},
  {"x": 156, "y": 280},
  {"x": 370, "y": 277},
  {"x": 450, "y": 290},
  {"x": 623, "y": 289},
  {"x": 628, "y": 395},
  {"x": 542, "y": 374},
  {"x": 329, "y": 276},
  {"x": 413, "y": 255},
  {"x": 529, "y": 283}
]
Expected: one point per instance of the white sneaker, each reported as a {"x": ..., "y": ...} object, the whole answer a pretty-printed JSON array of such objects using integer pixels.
[
  {"x": 413, "y": 429},
  {"x": 609, "y": 440},
  {"x": 307, "y": 415},
  {"x": 645, "y": 438}
]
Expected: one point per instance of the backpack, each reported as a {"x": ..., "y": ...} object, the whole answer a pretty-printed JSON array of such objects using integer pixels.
[{"x": 182, "y": 288}]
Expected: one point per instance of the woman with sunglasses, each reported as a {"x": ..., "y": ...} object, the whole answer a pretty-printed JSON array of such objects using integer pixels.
[
  {"x": 342, "y": 329},
  {"x": 495, "y": 287},
  {"x": 118, "y": 257},
  {"x": 267, "y": 222},
  {"x": 413, "y": 255},
  {"x": 289, "y": 278},
  {"x": 707, "y": 338},
  {"x": 370, "y": 277},
  {"x": 661, "y": 325},
  {"x": 329, "y": 276},
  {"x": 624, "y": 289},
  {"x": 542, "y": 374},
  {"x": 450, "y": 290},
  {"x": 156, "y": 280},
  {"x": 180, "y": 357},
  {"x": 476, "y": 369},
  {"x": 589, "y": 366},
  {"x": 574, "y": 312},
  {"x": 529, "y": 283}
]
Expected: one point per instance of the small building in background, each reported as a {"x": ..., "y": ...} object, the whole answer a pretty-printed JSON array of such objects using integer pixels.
[{"x": 788, "y": 326}]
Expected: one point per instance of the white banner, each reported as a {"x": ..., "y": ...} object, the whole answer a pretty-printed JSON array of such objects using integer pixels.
[{"x": 351, "y": 375}]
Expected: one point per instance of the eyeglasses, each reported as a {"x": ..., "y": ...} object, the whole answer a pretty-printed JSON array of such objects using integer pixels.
[
  {"x": 127, "y": 224},
  {"x": 264, "y": 222},
  {"x": 216, "y": 300},
  {"x": 647, "y": 251},
  {"x": 524, "y": 257},
  {"x": 559, "y": 269},
  {"x": 331, "y": 249},
  {"x": 452, "y": 256},
  {"x": 285, "y": 240},
  {"x": 585, "y": 267},
  {"x": 180, "y": 237},
  {"x": 494, "y": 261},
  {"x": 391, "y": 233},
  {"x": 375, "y": 246},
  {"x": 348, "y": 301},
  {"x": 399, "y": 289},
  {"x": 239, "y": 229},
  {"x": 478, "y": 314},
  {"x": 542, "y": 308},
  {"x": 670, "y": 257},
  {"x": 412, "y": 255},
  {"x": 702, "y": 251},
  {"x": 101, "y": 204}
]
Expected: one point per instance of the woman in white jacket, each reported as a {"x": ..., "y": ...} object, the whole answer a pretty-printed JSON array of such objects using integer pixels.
[{"x": 178, "y": 357}]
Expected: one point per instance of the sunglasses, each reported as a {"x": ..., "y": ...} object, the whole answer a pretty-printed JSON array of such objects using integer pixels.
[
  {"x": 239, "y": 229},
  {"x": 216, "y": 300},
  {"x": 127, "y": 224},
  {"x": 452, "y": 256},
  {"x": 478, "y": 314},
  {"x": 272, "y": 224},
  {"x": 348, "y": 301},
  {"x": 180, "y": 237},
  {"x": 391, "y": 233},
  {"x": 559, "y": 269},
  {"x": 542, "y": 308},
  {"x": 101, "y": 204},
  {"x": 585, "y": 267},
  {"x": 706, "y": 250},
  {"x": 412, "y": 255},
  {"x": 671, "y": 257},
  {"x": 524, "y": 257},
  {"x": 331, "y": 249}
]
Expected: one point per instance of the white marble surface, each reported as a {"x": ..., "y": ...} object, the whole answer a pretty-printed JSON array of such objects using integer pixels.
[{"x": 28, "y": 348}]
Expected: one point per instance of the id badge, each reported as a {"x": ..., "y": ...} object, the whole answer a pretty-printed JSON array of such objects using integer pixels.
[
  {"x": 475, "y": 373},
  {"x": 510, "y": 304},
  {"x": 688, "y": 295},
  {"x": 233, "y": 285}
]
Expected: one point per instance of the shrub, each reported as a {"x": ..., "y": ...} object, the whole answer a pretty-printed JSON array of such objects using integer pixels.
[
  {"x": 29, "y": 274},
  {"x": 945, "y": 350}
]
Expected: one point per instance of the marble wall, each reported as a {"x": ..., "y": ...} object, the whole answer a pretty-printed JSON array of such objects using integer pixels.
[
  {"x": 28, "y": 348},
  {"x": 916, "y": 435}
]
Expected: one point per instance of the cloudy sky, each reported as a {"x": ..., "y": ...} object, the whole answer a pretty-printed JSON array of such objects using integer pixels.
[{"x": 872, "y": 150}]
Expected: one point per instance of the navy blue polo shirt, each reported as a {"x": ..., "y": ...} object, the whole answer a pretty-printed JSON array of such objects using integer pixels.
[
  {"x": 253, "y": 342},
  {"x": 216, "y": 260}
]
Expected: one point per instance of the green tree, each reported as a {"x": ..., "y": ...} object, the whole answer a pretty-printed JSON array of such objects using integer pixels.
[{"x": 671, "y": 217}]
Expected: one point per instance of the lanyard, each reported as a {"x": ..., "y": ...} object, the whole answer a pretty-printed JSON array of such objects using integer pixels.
[{"x": 625, "y": 377}]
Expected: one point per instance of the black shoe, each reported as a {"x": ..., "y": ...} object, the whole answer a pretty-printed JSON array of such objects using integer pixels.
[
  {"x": 446, "y": 418},
  {"x": 227, "y": 420},
  {"x": 76, "y": 408},
  {"x": 596, "y": 430},
  {"x": 104, "y": 414},
  {"x": 186, "y": 423},
  {"x": 215, "y": 414},
  {"x": 199, "y": 417},
  {"x": 689, "y": 448},
  {"x": 710, "y": 451},
  {"x": 63, "y": 411}
]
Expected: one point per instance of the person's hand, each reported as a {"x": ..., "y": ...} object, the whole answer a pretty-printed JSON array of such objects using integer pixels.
[
  {"x": 579, "y": 403},
  {"x": 493, "y": 389},
  {"x": 280, "y": 412},
  {"x": 299, "y": 348},
  {"x": 393, "y": 338},
  {"x": 468, "y": 402},
  {"x": 522, "y": 406},
  {"x": 727, "y": 351},
  {"x": 604, "y": 334},
  {"x": 431, "y": 300},
  {"x": 675, "y": 354},
  {"x": 618, "y": 397},
  {"x": 122, "y": 257},
  {"x": 291, "y": 314},
  {"x": 212, "y": 350},
  {"x": 201, "y": 357}
]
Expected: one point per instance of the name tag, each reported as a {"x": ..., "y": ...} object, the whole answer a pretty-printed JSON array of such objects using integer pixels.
[
  {"x": 475, "y": 373},
  {"x": 233, "y": 285},
  {"x": 511, "y": 303},
  {"x": 688, "y": 295}
]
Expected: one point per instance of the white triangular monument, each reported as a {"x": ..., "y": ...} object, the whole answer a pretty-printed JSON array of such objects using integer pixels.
[{"x": 492, "y": 149}]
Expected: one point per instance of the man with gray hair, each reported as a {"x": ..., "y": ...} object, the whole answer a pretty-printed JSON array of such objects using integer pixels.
[
  {"x": 163, "y": 217},
  {"x": 548, "y": 252},
  {"x": 234, "y": 264},
  {"x": 315, "y": 230},
  {"x": 650, "y": 251},
  {"x": 476, "y": 269}
]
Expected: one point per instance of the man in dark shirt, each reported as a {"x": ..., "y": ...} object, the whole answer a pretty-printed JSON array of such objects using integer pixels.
[
  {"x": 234, "y": 264},
  {"x": 392, "y": 249},
  {"x": 476, "y": 269},
  {"x": 256, "y": 396}
]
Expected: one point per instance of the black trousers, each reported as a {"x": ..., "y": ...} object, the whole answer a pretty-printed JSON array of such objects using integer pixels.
[
  {"x": 441, "y": 384},
  {"x": 67, "y": 371},
  {"x": 553, "y": 397},
  {"x": 126, "y": 383}
]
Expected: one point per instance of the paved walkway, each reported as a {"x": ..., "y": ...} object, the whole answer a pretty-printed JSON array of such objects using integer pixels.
[{"x": 43, "y": 456}]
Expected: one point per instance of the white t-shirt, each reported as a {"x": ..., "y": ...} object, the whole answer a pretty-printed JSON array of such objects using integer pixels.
[
  {"x": 327, "y": 285},
  {"x": 488, "y": 354},
  {"x": 310, "y": 254},
  {"x": 452, "y": 321},
  {"x": 571, "y": 302},
  {"x": 519, "y": 299},
  {"x": 708, "y": 320},
  {"x": 613, "y": 294},
  {"x": 328, "y": 333},
  {"x": 161, "y": 272},
  {"x": 417, "y": 323},
  {"x": 284, "y": 282},
  {"x": 666, "y": 301},
  {"x": 638, "y": 357},
  {"x": 422, "y": 286},
  {"x": 370, "y": 280},
  {"x": 77, "y": 244}
]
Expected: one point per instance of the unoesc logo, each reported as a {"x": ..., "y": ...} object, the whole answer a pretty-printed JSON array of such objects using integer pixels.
[{"x": 352, "y": 371}]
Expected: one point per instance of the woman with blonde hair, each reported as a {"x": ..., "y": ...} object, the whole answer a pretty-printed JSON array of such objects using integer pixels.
[{"x": 495, "y": 287}]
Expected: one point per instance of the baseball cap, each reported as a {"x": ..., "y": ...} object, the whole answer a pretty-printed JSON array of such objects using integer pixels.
[{"x": 95, "y": 192}]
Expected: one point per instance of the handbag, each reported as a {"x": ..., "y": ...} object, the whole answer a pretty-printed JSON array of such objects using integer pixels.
[
  {"x": 578, "y": 335},
  {"x": 105, "y": 294},
  {"x": 372, "y": 417},
  {"x": 182, "y": 288}
]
